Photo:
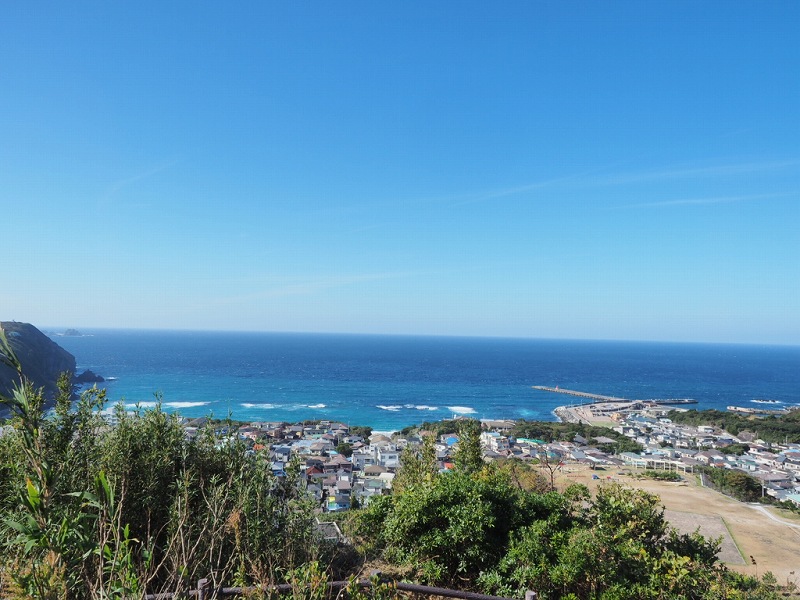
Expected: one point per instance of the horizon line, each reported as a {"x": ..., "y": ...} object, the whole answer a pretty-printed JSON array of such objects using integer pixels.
[{"x": 55, "y": 331}]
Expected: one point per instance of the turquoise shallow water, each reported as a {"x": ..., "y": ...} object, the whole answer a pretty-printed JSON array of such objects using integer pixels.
[{"x": 389, "y": 382}]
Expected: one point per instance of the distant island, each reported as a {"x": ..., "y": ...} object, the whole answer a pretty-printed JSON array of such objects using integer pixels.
[{"x": 88, "y": 376}]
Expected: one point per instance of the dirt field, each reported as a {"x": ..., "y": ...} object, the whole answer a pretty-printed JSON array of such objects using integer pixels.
[{"x": 770, "y": 536}]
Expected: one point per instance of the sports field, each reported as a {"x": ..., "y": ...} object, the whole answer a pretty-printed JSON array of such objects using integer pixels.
[{"x": 770, "y": 536}]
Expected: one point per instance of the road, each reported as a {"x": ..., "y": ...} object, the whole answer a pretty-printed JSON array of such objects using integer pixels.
[{"x": 764, "y": 510}]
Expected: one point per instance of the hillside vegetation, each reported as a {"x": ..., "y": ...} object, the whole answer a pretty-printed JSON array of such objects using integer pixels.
[{"x": 772, "y": 428}]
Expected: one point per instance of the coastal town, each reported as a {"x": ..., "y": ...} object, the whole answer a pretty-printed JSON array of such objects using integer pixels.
[{"x": 345, "y": 467}]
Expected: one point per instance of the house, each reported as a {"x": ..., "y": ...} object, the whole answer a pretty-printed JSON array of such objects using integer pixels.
[
  {"x": 388, "y": 456},
  {"x": 374, "y": 471},
  {"x": 362, "y": 458},
  {"x": 282, "y": 453},
  {"x": 343, "y": 487},
  {"x": 329, "y": 531},
  {"x": 502, "y": 426},
  {"x": 320, "y": 447},
  {"x": 494, "y": 441},
  {"x": 338, "y": 463},
  {"x": 368, "y": 488},
  {"x": 710, "y": 457},
  {"x": 295, "y": 431}
]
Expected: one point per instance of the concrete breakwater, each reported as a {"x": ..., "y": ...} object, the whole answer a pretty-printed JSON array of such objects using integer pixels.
[{"x": 594, "y": 398}]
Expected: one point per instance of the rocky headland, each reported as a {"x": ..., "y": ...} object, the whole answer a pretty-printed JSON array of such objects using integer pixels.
[{"x": 41, "y": 359}]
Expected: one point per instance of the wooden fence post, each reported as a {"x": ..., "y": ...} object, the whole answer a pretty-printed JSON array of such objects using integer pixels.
[{"x": 202, "y": 589}]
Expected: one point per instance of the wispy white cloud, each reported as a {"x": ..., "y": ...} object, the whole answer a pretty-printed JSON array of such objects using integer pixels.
[
  {"x": 565, "y": 180},
  {"x": 588, "y": 179},
  {"x": 645, "y": 176},
  {"x": 114, "y": 188},
  {"x": 701, "y": 201}
]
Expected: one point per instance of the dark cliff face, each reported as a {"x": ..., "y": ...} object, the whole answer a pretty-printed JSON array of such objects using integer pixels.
[{"x": 41, "y": 358}]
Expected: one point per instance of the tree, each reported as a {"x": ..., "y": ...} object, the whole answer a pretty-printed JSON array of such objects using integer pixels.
[
  {"x": 345, "y": 449},
  {"x": 618, "y": 546},
  {"x": 550, "y": 463},
  {"x": 449, "y": 531},
  {"x": 417, "y": 465},
  {"x": 468, "y": 455}
]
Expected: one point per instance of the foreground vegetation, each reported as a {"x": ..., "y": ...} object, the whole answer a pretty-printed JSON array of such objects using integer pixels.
[
  {"x": 95, "y": 511},
  {"x": 476, "y": 528}
]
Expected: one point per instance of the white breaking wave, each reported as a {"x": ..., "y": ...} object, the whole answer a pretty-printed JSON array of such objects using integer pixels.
[
  {"x": 398, "y": 407},
  {"x": 151, "y": 404},
  {"x": 461, "y": 410},
  {"x": 265, "y": 406},
  {"x": 316, "y": 406},
  {"x": 185, "y": 404}
]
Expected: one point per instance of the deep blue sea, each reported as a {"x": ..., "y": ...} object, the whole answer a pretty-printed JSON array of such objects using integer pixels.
[{"x": 389, "y": 382}]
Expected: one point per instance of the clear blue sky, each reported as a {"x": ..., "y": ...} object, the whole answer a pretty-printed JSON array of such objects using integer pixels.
[{"x": 618, "y": 170}]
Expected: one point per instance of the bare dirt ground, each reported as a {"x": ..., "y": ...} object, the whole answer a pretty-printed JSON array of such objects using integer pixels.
[
  {"x": 770, "y": 536},
  {"x": 711, "y": 527}
]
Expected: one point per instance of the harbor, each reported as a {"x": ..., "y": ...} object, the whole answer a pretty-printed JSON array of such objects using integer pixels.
[{"x": 595, "y": 398}]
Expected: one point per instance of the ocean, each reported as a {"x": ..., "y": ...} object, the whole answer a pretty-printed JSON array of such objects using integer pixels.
[{"x": 389, "y": 382}]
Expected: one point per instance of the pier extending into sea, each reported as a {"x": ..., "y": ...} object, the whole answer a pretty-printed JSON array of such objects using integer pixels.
[{"x": 594, "y": 398}]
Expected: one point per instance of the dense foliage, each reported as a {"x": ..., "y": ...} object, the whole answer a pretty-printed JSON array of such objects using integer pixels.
[
  {"x": 95, "y": 511},
  {"x": 737, "y": 484},
  {"x": 773, "y": 428},
  {"x": 555, "y": 431},
  {"x": 478, "y": 530},
  {"x": 438, "y": 428},
  {"x": 662, "y": 475},
  {"x": 736, "y": 449}
]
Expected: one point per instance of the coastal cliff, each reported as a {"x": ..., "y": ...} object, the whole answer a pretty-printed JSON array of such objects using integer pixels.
[{"x": 41, "y": 359}]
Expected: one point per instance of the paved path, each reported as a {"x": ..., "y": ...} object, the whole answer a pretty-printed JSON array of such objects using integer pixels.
[{"x": 764, "y": 510}]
